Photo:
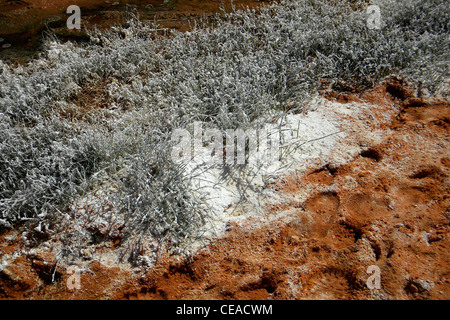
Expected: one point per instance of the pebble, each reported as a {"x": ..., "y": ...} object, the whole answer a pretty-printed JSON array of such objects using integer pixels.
[
  {"x": 107, "y": 2},
  {"x": 116, "y": 3},
  {"x": 413, "y": 288},
  {"x": 1, "y": 39},
  {"x": 426, "y": 285},
  {"x": 6, "y": 45}
]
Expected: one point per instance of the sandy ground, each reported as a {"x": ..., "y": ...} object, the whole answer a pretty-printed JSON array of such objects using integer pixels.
[{"x": 380, "y": 198}]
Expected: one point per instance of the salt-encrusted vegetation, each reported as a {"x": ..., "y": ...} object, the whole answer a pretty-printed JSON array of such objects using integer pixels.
[{"x": 104, "y": 110}]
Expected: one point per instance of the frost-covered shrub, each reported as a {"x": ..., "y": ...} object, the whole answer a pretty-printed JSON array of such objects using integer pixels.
[{"x": 248, "y": 65}]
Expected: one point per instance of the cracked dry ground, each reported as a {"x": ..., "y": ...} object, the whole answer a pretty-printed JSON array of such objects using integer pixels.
[{"x": 388, "y": 206}]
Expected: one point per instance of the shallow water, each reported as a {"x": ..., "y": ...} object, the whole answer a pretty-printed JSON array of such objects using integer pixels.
[{"x": 24, "y": 22}]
